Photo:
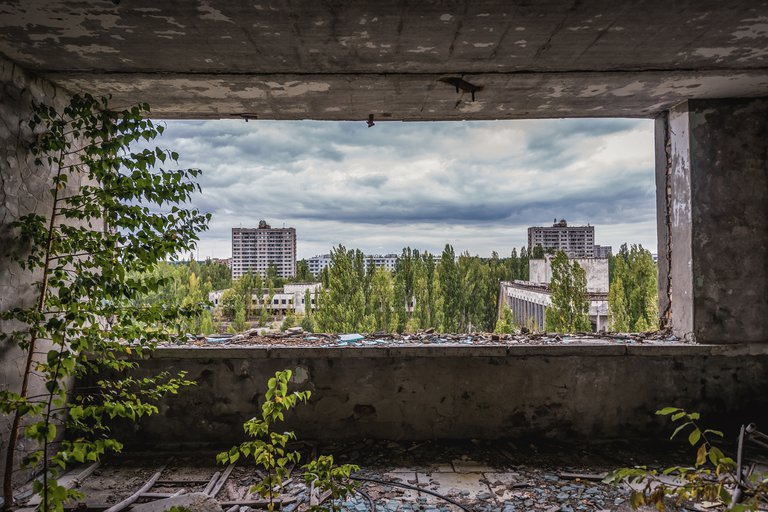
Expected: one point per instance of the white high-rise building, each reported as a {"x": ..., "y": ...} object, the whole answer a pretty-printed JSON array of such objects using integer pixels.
[
  {"x": 575, "y": 241},
  {"x": 254, "y": 249},
  {"x": 316, "y": 264}
]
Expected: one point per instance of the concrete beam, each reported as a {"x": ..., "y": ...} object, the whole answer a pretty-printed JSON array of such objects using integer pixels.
[
  {"x": 716, "y": 200},
  {"x": 413, "y": 96}
]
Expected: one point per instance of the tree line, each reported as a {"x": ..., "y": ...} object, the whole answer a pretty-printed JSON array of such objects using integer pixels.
[
  {"x": 442, "y": 292},
  {"x": 445, "y": 293}
]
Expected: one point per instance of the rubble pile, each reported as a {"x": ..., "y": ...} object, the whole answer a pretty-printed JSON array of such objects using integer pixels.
[{"x": 295, "y": 337}]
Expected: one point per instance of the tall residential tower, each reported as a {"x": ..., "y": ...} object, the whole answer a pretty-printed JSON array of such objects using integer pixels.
[
  {"x": 253, "y": 249},
  {"x": 575, "y": 241}
]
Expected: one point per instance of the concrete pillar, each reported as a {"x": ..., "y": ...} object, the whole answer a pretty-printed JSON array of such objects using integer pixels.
[
  {"x": 541, "y": 316},
  {"x": 712, "y": 188}
]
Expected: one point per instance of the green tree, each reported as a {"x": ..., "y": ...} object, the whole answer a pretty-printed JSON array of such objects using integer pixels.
[
  {"x": 633, "y": 296},
  {"x": 217, "y": 274},
  {"x": 538, "y": 252},
  {"x": 239, "y": 322},
  {"x": 307, "y": 324},
  {"x": 288, "y": 322},
  {"x": 382, "y": 298},
  {"x": 506, "y": 323},
  {"x": 617, "y": 306},
  {"x": 228, "y": 303},
  {"x": 423, "y": 303},
  {"x": 193, "y": 299},
  {"x": 437, "y": 301},
  {"x": 273, "y": 276},
  {"x": 451, "y": 290},
  {"x": 569, "y": 310},
  {"x": 244, "y": 289},
  {"x": 96, "y": 253},
  {"x": 523, "y": 264},
  {"x": 513, "y": 266},
  {"x": 207, "y": 324},
  {"x": 341, "y": 304},
  {"x": 303, "y": 275}
]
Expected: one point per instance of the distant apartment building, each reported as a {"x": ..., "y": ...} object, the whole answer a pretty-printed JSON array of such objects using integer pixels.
[
  {"x": 223, "y": 261},
  {"x": 316, "y": 264},
  {"x": 575, "y": 241},
  {"x": 603, "y": 251},
  {"x": 385, "y": 261},
  {"x": 254, "y": 249},
  {"x": 290, "y": 299}
]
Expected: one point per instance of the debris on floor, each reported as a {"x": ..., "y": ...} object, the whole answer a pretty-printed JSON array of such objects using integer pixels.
[{"x": 477, "y": 476}]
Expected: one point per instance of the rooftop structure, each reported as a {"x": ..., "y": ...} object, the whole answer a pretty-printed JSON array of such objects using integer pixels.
[{"x": 255, "y": 249}]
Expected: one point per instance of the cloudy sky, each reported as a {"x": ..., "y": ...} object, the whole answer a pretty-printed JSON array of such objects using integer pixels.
[{"x": 475, "y": 185}]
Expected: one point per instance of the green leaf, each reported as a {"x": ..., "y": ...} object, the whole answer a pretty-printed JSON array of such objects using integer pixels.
[
  {"x": 694, "y": 436},
  {"x": 679, "y": 428},
  {"x": 667, "y": 410}
]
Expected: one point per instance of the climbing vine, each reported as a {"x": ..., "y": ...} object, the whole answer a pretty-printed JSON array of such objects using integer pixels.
[{"x": 116, "y": 212}]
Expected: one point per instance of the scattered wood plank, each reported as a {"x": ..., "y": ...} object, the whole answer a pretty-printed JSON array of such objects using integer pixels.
[
  {"x": 212, "y": 483},
  {"x": 583, "y": 476},
  {"x": 323, "y": 497},
  {"x": 257, "y": 503},
  {"x": 221, "y": 481},
  {"x": 174, "y": 483}
]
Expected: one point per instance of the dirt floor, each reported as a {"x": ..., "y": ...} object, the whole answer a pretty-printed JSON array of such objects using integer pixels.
[{"x": 400, "y": 476}]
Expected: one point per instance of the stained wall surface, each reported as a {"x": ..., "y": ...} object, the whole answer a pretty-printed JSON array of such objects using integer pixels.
[
  {"x": 24, "y": 188},
  {"x": 717, "y": 210},
  {"x": 565, "y": 392},
  {"x": 596, "y": 269}
]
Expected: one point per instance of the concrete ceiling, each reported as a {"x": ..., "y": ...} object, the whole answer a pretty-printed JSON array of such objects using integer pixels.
[{"x": 337, "y": 59}]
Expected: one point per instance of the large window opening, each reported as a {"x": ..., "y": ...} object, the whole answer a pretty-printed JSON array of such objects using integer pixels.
[{"x": 285, "y": 195}]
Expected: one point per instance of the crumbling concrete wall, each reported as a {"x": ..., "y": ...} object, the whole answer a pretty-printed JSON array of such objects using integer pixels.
[
  {"x": 24, "y": 188},
  {"x": 713, "y": 188},
  {"x": 603, "y": 391}
]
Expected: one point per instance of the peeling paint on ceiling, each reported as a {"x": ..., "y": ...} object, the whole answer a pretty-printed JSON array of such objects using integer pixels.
[{"x": 215, "y": 58}]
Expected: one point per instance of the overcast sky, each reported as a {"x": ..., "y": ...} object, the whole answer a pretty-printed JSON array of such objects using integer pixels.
[{"x": 475, "y": 185}]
